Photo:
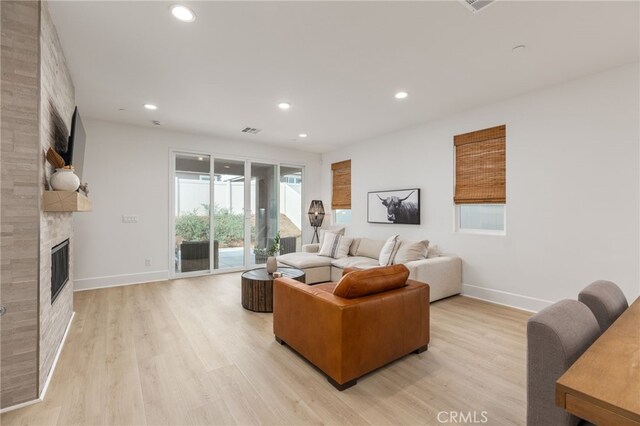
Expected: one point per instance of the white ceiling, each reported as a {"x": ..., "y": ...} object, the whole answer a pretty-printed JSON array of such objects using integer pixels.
[{"x": 338, "y": 63}]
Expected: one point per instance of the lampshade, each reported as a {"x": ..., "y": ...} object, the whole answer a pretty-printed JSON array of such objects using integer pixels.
[{"x": 316, "y": 213}]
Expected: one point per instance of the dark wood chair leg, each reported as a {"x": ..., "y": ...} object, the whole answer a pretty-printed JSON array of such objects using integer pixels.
[
  {"x": 421, "y": 349},
  {"x": 279, "y": 340},
  {"x": 343, "y": 386}
]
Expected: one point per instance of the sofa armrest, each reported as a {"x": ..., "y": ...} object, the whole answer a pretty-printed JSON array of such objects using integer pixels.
[
  {"x": 307, "y": 321},
  {"x": 443, "y": 274},
  {"x": 311, "y": 248}
]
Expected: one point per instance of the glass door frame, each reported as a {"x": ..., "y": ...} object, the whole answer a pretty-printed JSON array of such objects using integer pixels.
[{"x": 249, "y": 260}]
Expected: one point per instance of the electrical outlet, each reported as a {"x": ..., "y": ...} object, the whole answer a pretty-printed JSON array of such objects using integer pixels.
[
  {"x": 148, "y": 261},
  {"x": 129, "y": 218}
]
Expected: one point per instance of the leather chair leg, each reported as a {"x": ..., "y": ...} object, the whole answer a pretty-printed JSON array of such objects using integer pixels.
[
  {"x": 421, "y": 349},
  {"x": 343, "y": 386}
]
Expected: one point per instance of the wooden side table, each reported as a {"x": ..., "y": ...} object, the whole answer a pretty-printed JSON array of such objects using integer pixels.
[{"x": 257, "y": 287}]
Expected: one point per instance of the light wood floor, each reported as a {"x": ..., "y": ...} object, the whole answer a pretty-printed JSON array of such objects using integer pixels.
[{"x": 185, "y": 352}]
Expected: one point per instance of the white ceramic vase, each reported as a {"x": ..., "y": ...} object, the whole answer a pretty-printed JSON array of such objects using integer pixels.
[
  {"x": 272, "y": 264},
  {"x": 64, "y": 180}
]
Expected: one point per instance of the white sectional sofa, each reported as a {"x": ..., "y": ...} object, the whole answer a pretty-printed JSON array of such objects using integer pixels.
[{"x": 442, "y": 273}]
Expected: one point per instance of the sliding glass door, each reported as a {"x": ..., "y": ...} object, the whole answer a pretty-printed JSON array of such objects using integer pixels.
[
  {"x": 228, "y": 213},
  {"x": 192, "y": 219},
  {"x": 290, "y": 218},
  {"x": 264, "y": 208}
]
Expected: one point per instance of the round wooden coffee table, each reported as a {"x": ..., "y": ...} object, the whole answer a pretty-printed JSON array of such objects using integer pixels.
[{"x": 257, "y": 287}]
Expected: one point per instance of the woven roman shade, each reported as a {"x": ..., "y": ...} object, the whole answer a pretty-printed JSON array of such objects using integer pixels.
[
  {"x": 481, "y": 167},
  {"x": 341, "y": 196}
]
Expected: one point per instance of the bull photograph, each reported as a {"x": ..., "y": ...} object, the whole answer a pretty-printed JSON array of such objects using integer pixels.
[{"x": 400, "y": 206}]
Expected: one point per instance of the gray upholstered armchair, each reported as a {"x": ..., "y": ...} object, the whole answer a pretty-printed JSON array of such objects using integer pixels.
[
  {"x": 556, "y": 337},
  {"x": 606, "y": 301}
]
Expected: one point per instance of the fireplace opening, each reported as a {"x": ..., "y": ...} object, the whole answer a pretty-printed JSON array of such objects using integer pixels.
[{"x": 59, "y": 268}]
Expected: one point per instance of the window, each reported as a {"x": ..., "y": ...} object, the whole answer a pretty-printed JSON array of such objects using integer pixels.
[
  {"x": 342, "y": 216},
  {"x": 341, "y": 191},
  {"x": 480, "y": 187}
]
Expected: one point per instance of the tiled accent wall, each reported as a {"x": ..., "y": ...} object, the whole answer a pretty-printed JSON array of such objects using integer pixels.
[
  {"x": 56, "y": 91},
  {"x": 20, "y": 200}
]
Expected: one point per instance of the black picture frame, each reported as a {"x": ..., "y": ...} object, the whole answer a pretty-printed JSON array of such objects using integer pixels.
[{"x": 395, "y": 207}]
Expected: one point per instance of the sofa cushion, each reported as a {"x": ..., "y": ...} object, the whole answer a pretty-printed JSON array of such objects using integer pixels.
[
  {"x": 410, "y": 251},
  {"x": 389, "y": 251},
  {"x": 335, "y": 246},
  {"x": 369, "y": 248},
  {"x": 354, "y": 262},
  {"x": 371, "y": 281},
  {"x": 304, "y": 260}
]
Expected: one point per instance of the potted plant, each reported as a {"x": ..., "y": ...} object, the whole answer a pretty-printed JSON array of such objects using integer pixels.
[{"x": 267, "y": 254}]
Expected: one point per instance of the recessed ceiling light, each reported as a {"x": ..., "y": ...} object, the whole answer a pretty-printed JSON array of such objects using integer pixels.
[
  {"x": 200, "y": 158},
  {"x": 303, "y": 135},
  {"x": 401, "y": 95},
  {"x": 519, "y": 48},
  {"x": 284, "y": 105},
  {"x": 150, "y": 106},
  {"x": 227, "y": 167},
  {"x": 183, "y": 13}
]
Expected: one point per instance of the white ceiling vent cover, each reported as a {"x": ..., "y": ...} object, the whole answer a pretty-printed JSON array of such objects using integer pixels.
[
  {"x": 251, "y": 130},
  {"x": 476, "y": 5}
]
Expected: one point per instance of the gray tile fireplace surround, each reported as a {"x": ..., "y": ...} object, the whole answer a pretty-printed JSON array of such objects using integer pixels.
[{"x": 35, "y": 81}]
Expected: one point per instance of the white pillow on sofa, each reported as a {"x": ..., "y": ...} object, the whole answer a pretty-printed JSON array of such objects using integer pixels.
[
  {"x": 389, "y": 251},
  {"x": 369, "y": 248},
  {"x": 353, "y": 249},
  {"x": 333, "y": 229},
  {"x": 410, "y": 251},
  {"x": 335, "y": 246}
]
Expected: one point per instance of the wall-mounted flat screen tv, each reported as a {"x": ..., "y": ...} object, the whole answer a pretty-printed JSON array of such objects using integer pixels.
[{"x": 74, "y": 153}]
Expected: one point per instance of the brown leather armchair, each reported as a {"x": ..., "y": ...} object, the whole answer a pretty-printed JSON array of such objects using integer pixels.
[{"x": 349, "y": 337}]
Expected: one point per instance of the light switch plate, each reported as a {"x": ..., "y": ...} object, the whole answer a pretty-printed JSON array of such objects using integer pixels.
[{"x": 129, "y": 218}]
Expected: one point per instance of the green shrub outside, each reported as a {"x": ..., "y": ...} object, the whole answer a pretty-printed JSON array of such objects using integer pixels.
[{"x": 194, "y": 226}]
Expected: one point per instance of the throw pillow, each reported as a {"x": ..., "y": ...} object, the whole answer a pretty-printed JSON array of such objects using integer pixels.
[
  {"x": 369, "y": 248},
  {"x": 433, "y": 251},
  {"x": 334, "y": 229},
  {"x": 389, "y": 251},
  {"x": 410, "y": 251},
  {"x": 335, "y": 246},
  {"x": 371, "y": 281},
  {"x": 353, "y": 248}
]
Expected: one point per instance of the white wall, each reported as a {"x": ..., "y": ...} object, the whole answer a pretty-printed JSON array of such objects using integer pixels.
[
  {"x": 127, "y": 168},
  {"x": 572, "y": 189}
]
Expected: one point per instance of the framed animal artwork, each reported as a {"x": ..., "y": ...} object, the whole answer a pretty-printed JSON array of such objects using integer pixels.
[{"x": 400, "y": 206}]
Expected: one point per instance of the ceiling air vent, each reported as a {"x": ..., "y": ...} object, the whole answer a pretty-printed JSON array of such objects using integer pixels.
[
  {"x": 251, "y": 130},
  {"x": 476, "y": 5}
]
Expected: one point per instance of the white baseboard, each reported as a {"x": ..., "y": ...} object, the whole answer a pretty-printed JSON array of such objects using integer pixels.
[
  {"x": 119, "y": 280},
  {"x": 525, "y": 303},
  {"x": 51, "y": 370},
  {"x": 22, "y": 404}
]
